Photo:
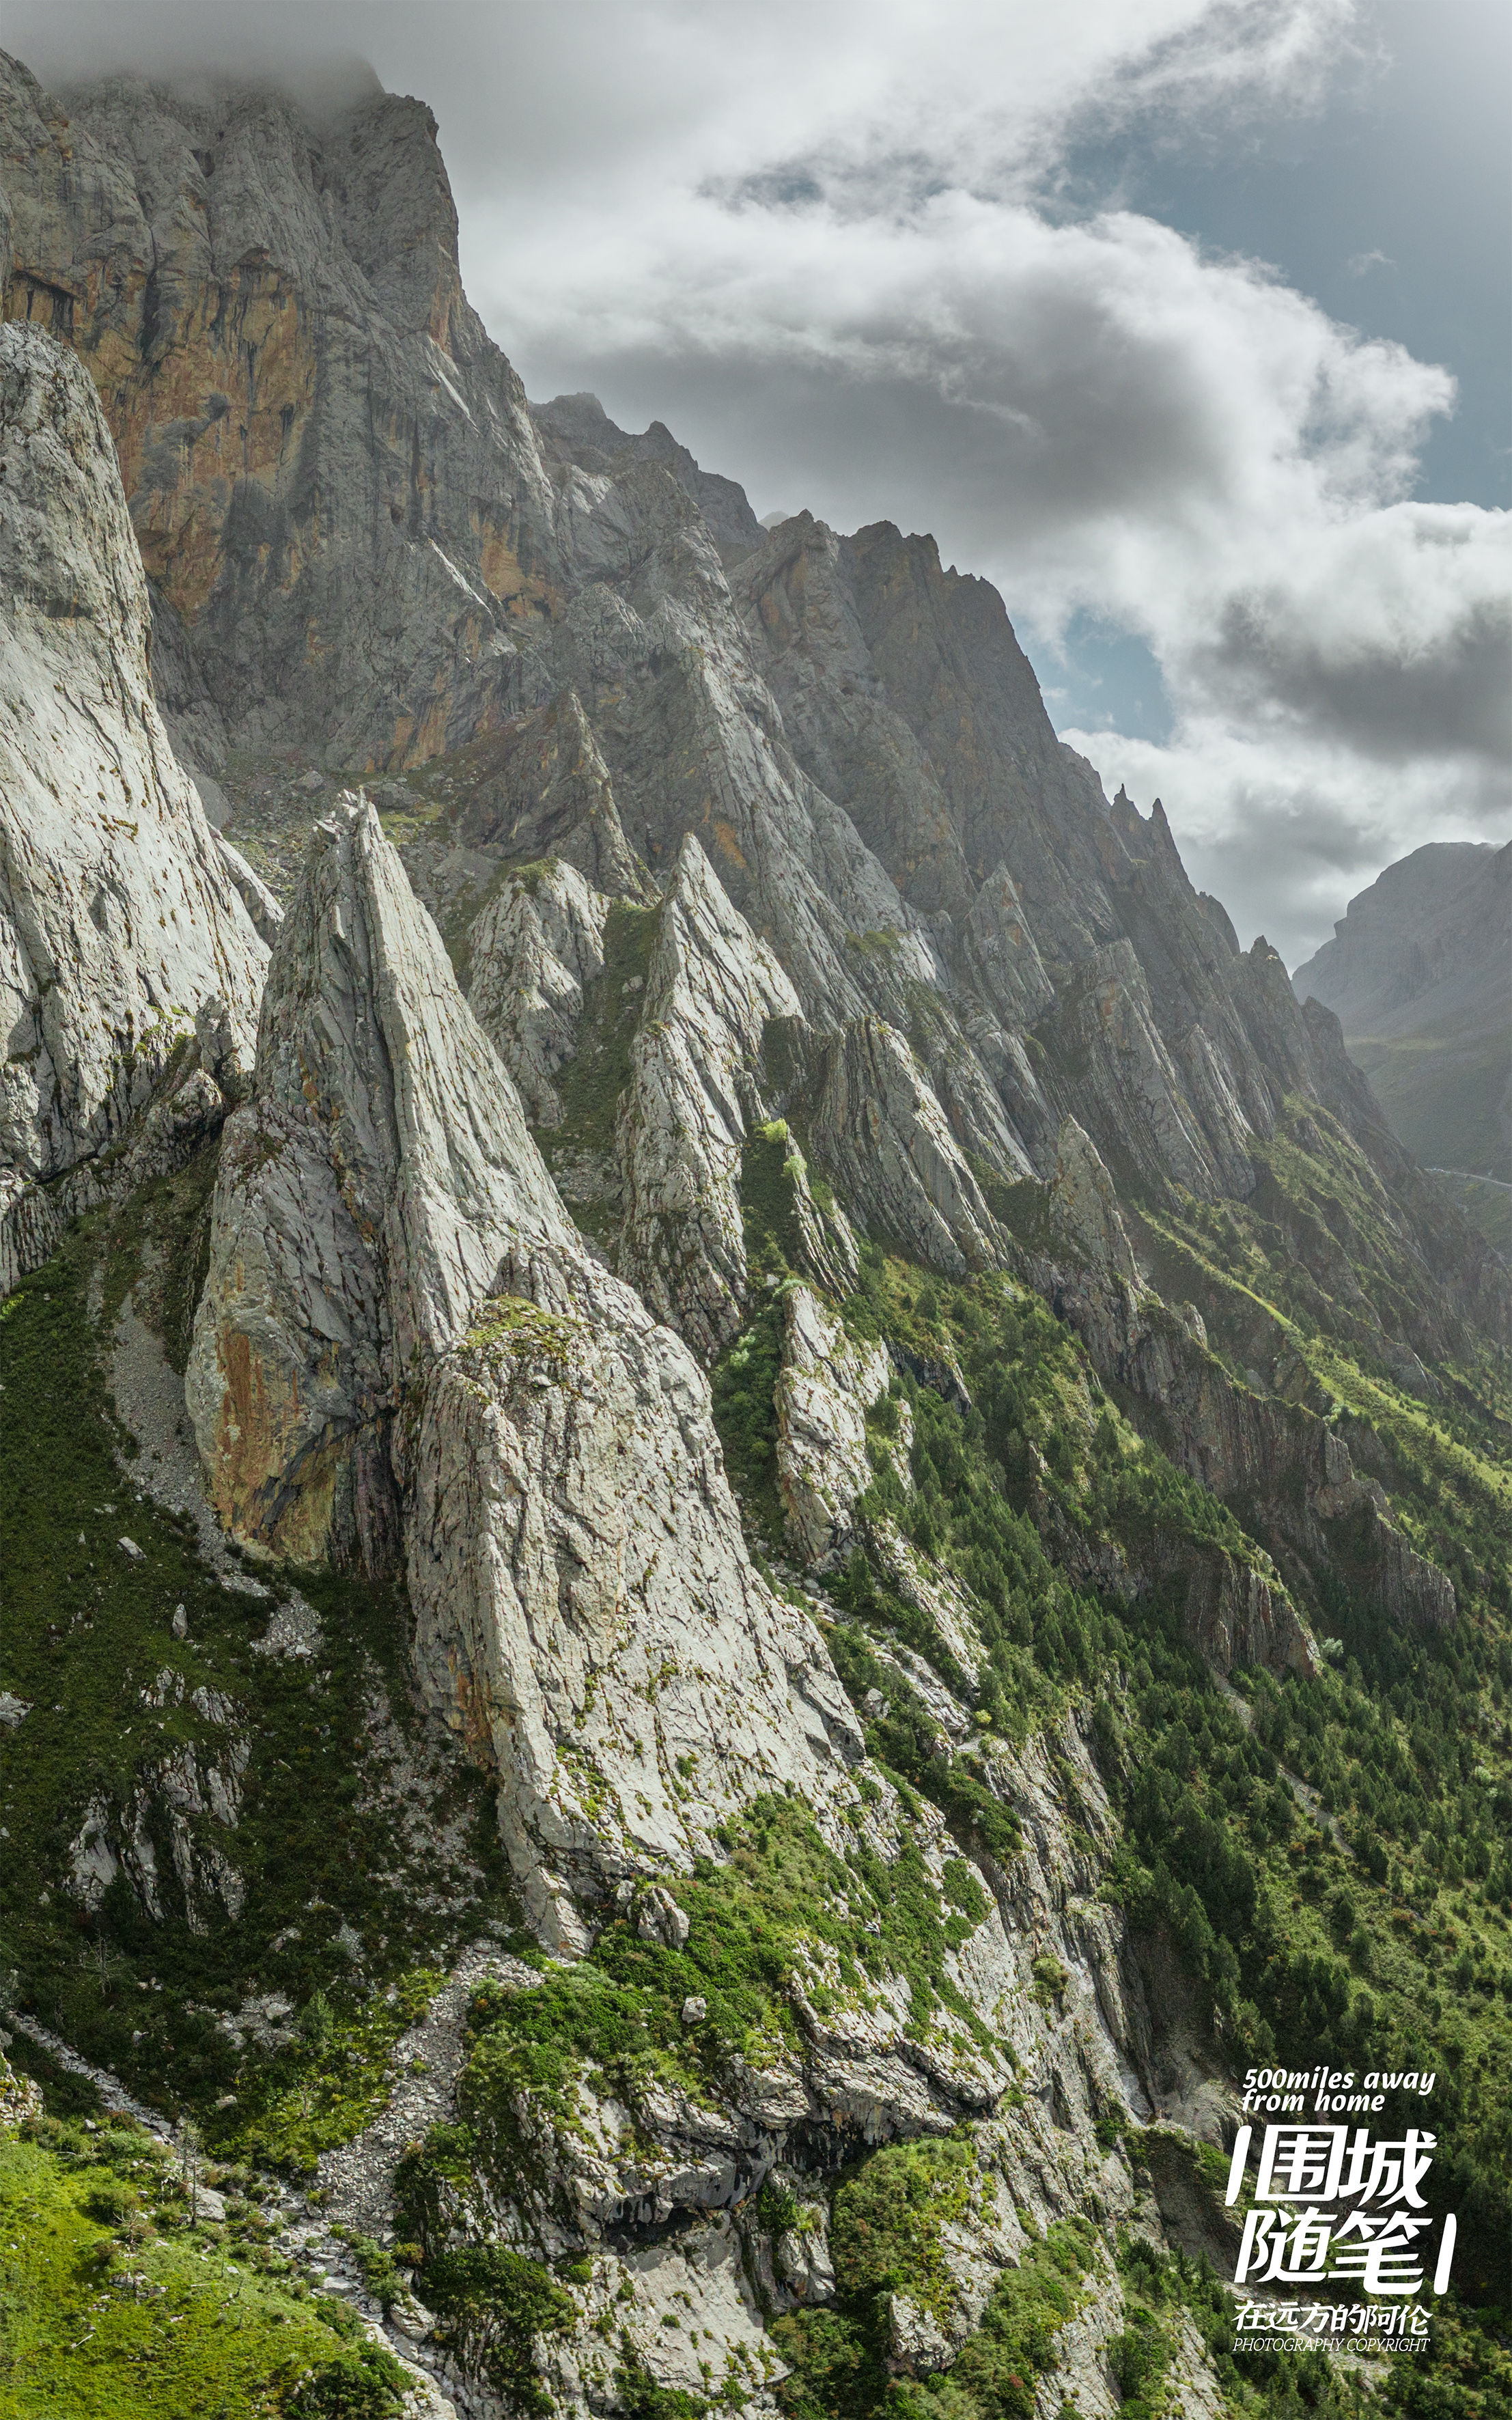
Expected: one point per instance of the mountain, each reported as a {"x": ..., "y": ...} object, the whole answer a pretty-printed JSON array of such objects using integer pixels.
[
  {"x": 1419, "y": 974},
  {"x": 750, "y": 1511},
  {"x": 127, "y": 948}
]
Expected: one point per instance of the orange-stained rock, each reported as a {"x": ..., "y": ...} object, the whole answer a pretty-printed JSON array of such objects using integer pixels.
[{"x": 333, "y": 473}]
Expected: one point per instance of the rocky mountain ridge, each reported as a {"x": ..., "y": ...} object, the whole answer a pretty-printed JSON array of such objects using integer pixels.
[{"x": 772, "y": 1218}]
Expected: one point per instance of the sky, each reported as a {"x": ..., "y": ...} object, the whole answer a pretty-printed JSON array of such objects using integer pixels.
[{"x": 1186, "y": 322}]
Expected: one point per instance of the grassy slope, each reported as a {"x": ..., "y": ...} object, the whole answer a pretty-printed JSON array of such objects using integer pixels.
[
  {"x": 1395, "y": 1947},
  {"x": 1441, "y": 1089},
  {"x": 118, "y": 2299}
]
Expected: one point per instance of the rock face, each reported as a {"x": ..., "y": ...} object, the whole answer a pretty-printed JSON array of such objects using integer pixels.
[
  {"x": 851, "y": 732},
  {"x": 119, "y": 920},
  {"x": 881, "y": 1132},
  {"x": 585, "y": 1610},
  {"x": 710, "y": 988},
  {"x": 333, "y": 473},
  {"x": 825, "y": 1388},
  {"x": 684, "y": 2155},
  {"x": 1084, "y": 1209},
  {"x": 540, "y": 789},
  {"x": 366, "y": 1194},
  {"x": 21, "y": 2100},
  {"x": 397, "y": 1302},
  {"x": 748, "y": 911},
  {"x": 532, "y": 951}
]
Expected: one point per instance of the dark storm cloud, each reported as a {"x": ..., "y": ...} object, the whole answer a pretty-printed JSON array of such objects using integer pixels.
[{"x": 1448, "y": 696}]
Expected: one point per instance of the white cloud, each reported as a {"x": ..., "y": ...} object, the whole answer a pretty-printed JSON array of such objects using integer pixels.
[
  {"x": 1098, "y": 415},
  {"x": 1284, "y": 831},
  {"x": 827, "y": 242}
]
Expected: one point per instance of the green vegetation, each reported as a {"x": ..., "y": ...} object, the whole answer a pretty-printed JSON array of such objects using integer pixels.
[
  {"x": 745, "y": 1415},
  {"x": 1279, "y": 1280},
  {"x": 885, "y": 2239},
  {"x": 771, "y": 1167},
  {"x": 495, "y": 2302},
  {"x": 770, "y": 1170},
  {"x": 1390, "y": 1944},
  {"x": 114, "y": 2299},
  {"x": 1159, "y": 2290},
  {"x": 889, "y": 2218},
  {"x": 1379, "y": 1927},
  {"x": 784, "y": 1913},
  {"x": 591, "y": 1084},
  {"x": 338, "y": 1894}
]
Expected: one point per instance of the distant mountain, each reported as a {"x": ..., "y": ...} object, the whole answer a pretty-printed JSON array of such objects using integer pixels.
[{"x": 1419, "y": 974}]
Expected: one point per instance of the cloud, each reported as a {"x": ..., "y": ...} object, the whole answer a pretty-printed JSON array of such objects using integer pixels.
[
  {"x": 831, "y": 243},
  {"x": 1283, "y": 833},
  {"x": 1106, "y": 421}
]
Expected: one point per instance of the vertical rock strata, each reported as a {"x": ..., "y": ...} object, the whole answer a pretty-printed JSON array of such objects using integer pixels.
[
  {"x": 332, "y": 472},
  {"x": 709, "y": 990},
  {"x": 366, "y": 1194},
  {"x": 825, "y": 1389},
  {"x": 532, "y": 951},
  {"x": 585, "y": 1608},
  {"x": 396, "y": 1299},
  {"x": 119, "y": 922}
]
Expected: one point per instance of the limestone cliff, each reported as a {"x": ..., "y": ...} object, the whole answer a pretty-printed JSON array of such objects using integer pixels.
[
  {"x": 373, "y": 514},
  {"x": 333, "y": 473},
  {"x": 710, "y": 989},
  {"x": 772, "y": 1256},
  {"x": 365, "y": 1193},
  {"x": 120, "y": 924}
]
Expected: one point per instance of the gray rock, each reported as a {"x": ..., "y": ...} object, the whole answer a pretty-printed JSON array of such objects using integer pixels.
[
  {"x": 824, "y": 1388},
  {"x": 259, "y": 901},
  {"x": 1131, "y": 1090},
  {"x": 585, "y": 1611},
  {"x": 532, "y": 950},
  {"x": 1419, "y": 974},
  {"x": 1083, "y": 1211},
  {"x": 540, "y": 789},
  {"x": 661, "y": 1919},
  {"x": 375, "y": 503},
  {"x": 363, "y": 1198},
  {"x": 1002, "y": 956},
  {"x": 710, "y": 988},
  {"x": 879, "y": 1130},
  {"x": 118, "y": 921}
]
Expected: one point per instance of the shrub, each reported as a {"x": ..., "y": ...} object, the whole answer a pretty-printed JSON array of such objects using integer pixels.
[{"x": 362, "y": 2384}]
